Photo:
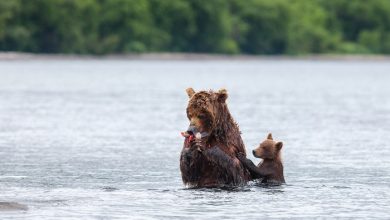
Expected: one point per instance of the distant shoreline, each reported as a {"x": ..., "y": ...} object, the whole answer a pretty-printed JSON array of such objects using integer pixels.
[{"x": 9, "y": 56}]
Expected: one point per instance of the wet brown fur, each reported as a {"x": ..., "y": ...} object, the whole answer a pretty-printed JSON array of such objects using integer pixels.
[
  {"x": 270, "y": 170},
  {"x": 207, "y": 110}
]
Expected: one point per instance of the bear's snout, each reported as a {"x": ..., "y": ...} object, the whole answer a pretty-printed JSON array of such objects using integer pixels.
[
  {"x": 192, "y": 130},
  {"x": 254, "y": 153}
]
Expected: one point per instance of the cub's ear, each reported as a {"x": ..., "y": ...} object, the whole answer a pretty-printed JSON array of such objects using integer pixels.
[
  {"x": 269, "y": 137},
  {"x": 190, "y": 92},
  {"x": 279, "y": 145},
  {"x": 222, "y": 95}
]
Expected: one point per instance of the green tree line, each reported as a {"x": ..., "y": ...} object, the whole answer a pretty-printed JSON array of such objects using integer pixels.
[{"x": 196, "y": 26}]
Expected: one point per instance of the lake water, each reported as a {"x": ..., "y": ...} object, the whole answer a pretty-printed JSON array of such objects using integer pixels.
[{"x": 99, "y": 139}]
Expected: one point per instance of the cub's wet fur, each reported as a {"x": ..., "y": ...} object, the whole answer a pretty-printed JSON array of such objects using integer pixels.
[{"x": 270, "y": 170}]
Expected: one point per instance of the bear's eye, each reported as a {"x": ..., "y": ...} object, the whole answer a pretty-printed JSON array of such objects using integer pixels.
[{"x": 202, "y": 116}]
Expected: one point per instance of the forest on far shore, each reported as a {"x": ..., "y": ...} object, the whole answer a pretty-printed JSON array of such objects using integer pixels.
[{"x": 196, "y": 26}]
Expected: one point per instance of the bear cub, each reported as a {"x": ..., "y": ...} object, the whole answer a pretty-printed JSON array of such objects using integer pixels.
[{"x": 270, "y": 170}]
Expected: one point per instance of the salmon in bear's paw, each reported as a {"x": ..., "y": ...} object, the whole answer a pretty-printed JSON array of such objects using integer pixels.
[{"x": 270, "y": 170}]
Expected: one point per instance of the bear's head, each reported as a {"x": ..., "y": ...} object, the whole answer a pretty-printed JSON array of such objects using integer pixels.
[
  {"x": 206, "y": 109},
  {"x": 268, "y": 149}
]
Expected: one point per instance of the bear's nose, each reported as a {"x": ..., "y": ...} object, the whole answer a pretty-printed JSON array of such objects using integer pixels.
[
  {"x": 192, "y": 129},
  {"x": 254, "y": 152}
]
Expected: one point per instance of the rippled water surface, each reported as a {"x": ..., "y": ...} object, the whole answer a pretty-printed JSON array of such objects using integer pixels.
[{"x": 99, "y": 139}]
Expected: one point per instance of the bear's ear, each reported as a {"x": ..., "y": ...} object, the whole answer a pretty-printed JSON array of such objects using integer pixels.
[
  {"x": 279, "y": 145},
  {"x": 190, "y": 92},
  {"x": 222, "y": 95},
  {"x": 269, "y": 137}
]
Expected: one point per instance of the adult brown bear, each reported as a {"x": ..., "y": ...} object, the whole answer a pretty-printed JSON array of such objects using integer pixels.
[{"x": 212, "y": 141}]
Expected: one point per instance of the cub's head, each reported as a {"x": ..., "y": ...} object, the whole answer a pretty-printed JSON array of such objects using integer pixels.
[
  {"x": 268, "y": 149},
  {"x": 204, "y": 108}
]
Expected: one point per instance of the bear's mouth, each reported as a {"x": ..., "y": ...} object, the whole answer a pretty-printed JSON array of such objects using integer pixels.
[
  {"x": 192, "y": 133},
  {"x": 188, "y": 135}
]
